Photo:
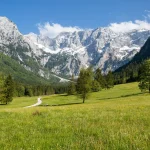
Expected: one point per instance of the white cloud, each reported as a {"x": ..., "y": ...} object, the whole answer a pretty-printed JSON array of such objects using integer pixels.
[
  {"x": 132, "y": 25},
  {"x": 54, "y": 29},
  {"x": 129, "y": 26}
]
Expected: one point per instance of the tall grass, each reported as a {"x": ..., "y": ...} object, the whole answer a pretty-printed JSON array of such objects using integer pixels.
[{"x": 109, "y": 120}]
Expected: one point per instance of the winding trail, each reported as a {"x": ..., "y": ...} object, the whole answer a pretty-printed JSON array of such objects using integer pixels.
[{"x": 39, "y": 101}]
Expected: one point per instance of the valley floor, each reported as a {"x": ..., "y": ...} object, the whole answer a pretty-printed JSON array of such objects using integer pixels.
[{"x": 115, "y": 119}]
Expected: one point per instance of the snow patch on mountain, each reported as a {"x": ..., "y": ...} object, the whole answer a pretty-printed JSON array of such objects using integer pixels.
[
  {"x": 47, "y": 50},
  {"x": 101, "y": 47},
  {"x": 61, "y": 79},
  {"x": 66, "y": 53}
]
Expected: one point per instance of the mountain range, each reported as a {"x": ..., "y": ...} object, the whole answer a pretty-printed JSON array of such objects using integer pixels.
[{"x": 67, "y": 53}]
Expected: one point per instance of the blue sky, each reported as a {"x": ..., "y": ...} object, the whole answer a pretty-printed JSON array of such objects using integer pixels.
[{"x": 82, "y": 13}]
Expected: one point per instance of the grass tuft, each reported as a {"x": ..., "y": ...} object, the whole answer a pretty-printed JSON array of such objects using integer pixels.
[{"x": 36, "y": 113}]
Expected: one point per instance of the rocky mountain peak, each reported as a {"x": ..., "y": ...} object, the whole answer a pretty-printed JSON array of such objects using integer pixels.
[
  {"x": 67, "y": 53},
  {"x": 8, "y": 31}
]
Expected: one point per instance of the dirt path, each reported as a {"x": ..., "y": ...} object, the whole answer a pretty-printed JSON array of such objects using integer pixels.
[{"x": 39, "y": 101}]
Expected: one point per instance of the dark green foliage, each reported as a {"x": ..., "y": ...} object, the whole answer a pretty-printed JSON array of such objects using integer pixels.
[
  {"x": 71, "y": 87},
  {"x": 131, "y": 71},
  {"x": 144, "y": 84},
  {"x": 109, "y": 80},
  {"x": 100, "y": 78},
  {"x": 19, "y": 73},
  {"x": 84, "y": 83},
  {"x": 28, "y": 91},
  {"x": 8, "y": 90},
  {"x": 48, "y": 90},
  {"x": 124, "y": 78},
  {"x": 128, "y": 74},
  {"x": 2, "y": 78},
  {"x": 95, "y": 86},
  {"x": 42, "y": 90},
  {"x": 60, "y": 88},
  {"x": 105, "y": 81},
  {"x": 19, "y": 90}
]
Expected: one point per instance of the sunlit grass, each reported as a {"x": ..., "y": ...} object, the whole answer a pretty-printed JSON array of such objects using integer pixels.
[
  {"x": 119, "y": 91},
  {"x": 19, "y": 102},
  {"x": 118, "y": 119}
]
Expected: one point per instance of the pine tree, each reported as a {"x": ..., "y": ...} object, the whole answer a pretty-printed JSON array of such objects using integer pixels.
[
  {"x": 71, "y": 87},
  {"x": 95, "y": 86},
  {"x": 2, "y": 79},
  {"x": 49, "y": 90},
  {"x": 84, "y": 83},
  {"x": 19, "y": 90},
  {"x": 123, "y": 78},
  {"x": 100, "y": 78},
  {"x": 8, "y": 90},
  {"x": 109, "y": 80},
  {"x": 144, "y": 84},
  {"x": 28, "y": 91}
]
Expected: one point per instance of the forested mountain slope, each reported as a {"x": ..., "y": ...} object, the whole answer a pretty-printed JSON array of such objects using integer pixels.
[
  {"x": 19, "y": 73},
  {"x": 131, "y": 71}
]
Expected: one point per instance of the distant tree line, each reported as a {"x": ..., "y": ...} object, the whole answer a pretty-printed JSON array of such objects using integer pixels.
[
  {"x": 37, "y": 90},
  {"x": 144, "y": 77},
  {"x": 130, "y": 73},
  {"x": 10, "y": 88},
  {"x": 134, "y": 72}
]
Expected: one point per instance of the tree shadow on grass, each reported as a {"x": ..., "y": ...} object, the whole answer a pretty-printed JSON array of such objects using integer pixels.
[
  {"x": 129, "y": 95},
  {"x": 64, "y": 95},
  {"x": 3, "y": 104},
  {"x": 62, "y": 104}
]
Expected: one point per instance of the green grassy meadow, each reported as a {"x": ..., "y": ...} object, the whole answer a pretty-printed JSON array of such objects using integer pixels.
[
  {"x": 19, "y": 102},
  {"x": 115, "y": 119}
]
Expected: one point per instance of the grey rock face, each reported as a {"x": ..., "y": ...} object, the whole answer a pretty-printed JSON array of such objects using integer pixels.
[{"x": 69, "y": 52}]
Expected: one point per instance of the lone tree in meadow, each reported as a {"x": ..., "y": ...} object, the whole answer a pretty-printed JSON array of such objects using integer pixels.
[
  {"x": 8, "y": 90},
  {"x": 144, "y": 84},
  {"x": 71, "y": 87},
  {"x": 84, "y": 83}
]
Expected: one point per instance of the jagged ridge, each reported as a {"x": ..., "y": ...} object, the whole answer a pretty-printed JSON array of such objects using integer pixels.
[{"x": 69, "y": 52}]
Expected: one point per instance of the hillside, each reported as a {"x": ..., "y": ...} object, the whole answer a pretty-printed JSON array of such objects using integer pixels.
[
  {"x": 19, "y": 73},
  {"x": 130, "y": 71}
]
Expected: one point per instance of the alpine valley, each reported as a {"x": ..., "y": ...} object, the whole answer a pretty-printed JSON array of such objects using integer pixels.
[{"x": 67, "y": 53}]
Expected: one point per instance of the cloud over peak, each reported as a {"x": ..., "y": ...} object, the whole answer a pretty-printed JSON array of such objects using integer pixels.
[
  {"x": 54, "y": 29},
  {"x": 129, "y": 26}
]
